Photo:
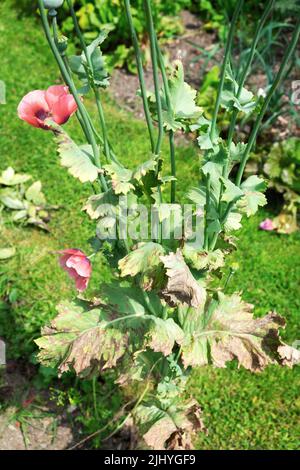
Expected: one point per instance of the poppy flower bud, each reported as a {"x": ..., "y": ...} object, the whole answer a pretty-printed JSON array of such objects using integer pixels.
[{"x": 49, "y": 4}]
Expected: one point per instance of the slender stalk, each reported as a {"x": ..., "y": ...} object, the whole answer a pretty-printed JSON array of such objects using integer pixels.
[
  {"x": 102, "y": 122},
  {"x": 66, "y": 63},
  {"x": 207, "y": 204},
  {"x": 139, "y": 64},
  {"x": 224, "y": 67},
  {"x": 77, "y": 29},
  {"x": 171, "y": 132},
  {"x": 173, "y": 166},
  {"x": 72, "y": 87},
  {"x": 289, "y": 52},
  {"x": 246, "y": 69},
  {"x": 107, "y": 150},
  {"x": 152, "y": 37}
]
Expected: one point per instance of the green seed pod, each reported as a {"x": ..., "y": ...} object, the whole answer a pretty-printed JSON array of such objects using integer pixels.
[
  {"x": 49, "y": 4},
  {"x": 62, "y": 44}
]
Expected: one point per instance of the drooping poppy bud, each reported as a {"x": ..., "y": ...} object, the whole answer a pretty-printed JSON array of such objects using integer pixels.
[{"x": 77, "y": 265}]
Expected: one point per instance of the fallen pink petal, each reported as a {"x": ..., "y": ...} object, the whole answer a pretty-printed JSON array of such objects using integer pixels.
[
  {"x": 55, "y": 103},
  {"x": 267, "y": 225},
  {"x": 77, "y": 265}
]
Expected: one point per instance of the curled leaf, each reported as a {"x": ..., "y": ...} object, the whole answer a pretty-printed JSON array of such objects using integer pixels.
[
  {"x": 181, "y": 287},
  {"x": 231, "y": 332}
]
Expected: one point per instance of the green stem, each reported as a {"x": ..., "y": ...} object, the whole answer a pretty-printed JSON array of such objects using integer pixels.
[
  {"x": 207, "y": 204},
  {"x": 246, "y": 69},
  {"x": 289, "y": 52},
  {"x": 152, "y": 37},
  {"x": 224, "y": 67},
  {"x": 107, "y": 150},
  {"x": 171, "y": 132},
  {"x": 173, "y": 166},
  {"x": 139, "y": 64},
  {"x": 102, "y": 123},
  {"x": 94, "y": 383},
  {"x": 72, "y": 87}
]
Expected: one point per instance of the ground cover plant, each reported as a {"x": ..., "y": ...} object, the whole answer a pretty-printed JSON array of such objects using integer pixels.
[{"x": 242, "y": 281}]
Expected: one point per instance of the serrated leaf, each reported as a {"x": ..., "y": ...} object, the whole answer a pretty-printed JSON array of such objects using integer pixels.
[
  {"x": 169, "y": 428},
  {"x": 120, "y": 178},
  {"x": 200, "y": 259},
  {"x": 144, "y": 260},
  {"x": 182, "y": 96},
  {"x": 10, "y": 178},
  {"x": 183, "y": 106},
  {"x": 233, "y": 222},
  {"x": 100, "y": 205},
  {"x": 181, "y": 287},
  {"x": 163, "y": 335},
  {"x": 230, "y": 333},
  {"x": 253, "y": 197},
  {"x": 78, "y": 339},
  {"x": 232, "y": 193},
  {"x": 77, "y": 159},
  {"x": 94, "y": 69},
  {"x": 229, "y": 99},
  {"x": 144, "y": 168}
]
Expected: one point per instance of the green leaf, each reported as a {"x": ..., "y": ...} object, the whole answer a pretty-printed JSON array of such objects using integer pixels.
[
  {"x": 169, "y": 428},
  {"x": 120, "y": 178},
  {"x": 6, "y": 253},
  {"x": 94, "y": 69},
  {"x": 252, "y": 198},
  {"x": 144, "y": 260},
  {"x": 181, "y": 287},
  {"x": 232, "y": 192},
  {"x": 199, "y": 260},
  {"x": 34, "y": 194},
  {"x": 182, "y": 96},
  {"x": 78, "y": 339},
  {"x": 197, "y": 195},
  {"x": 233, "y": 222},
  {"x": 230, "y": 333},
  {"x": 163, "y": 334},
  {"x": 183, "y": 106},
  {"x": 77, "y": 159},
  {"x": 10, "y": 178},
  {"x": 100, "y": 205},
  {"x": 229, "y": 99},
  {"x": 11, "y": 200},
  {"x": 144, "y": 168}
]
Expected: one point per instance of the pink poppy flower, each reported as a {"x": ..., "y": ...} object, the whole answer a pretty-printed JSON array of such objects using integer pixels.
[
  {"x": 267, "y": 225},
  {"x": 56, "y": 103},
  {"x": 77, "y": 265}
]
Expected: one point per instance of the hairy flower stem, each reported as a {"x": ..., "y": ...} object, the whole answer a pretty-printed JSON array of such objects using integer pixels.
[
  {"x": 152, "y": 37},
  {"x": 224, "y": 67},
  {"x": 139, "y": 64},
  {"x": 245, "y": 72},
  {"x": 288, "y": 54},
  {"x": 72, "y": 88}
]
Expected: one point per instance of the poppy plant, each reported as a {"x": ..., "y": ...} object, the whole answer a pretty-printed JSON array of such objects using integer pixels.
[
  {"x": 77, "y": 265},
  {"x": 55, "y": 103}
]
